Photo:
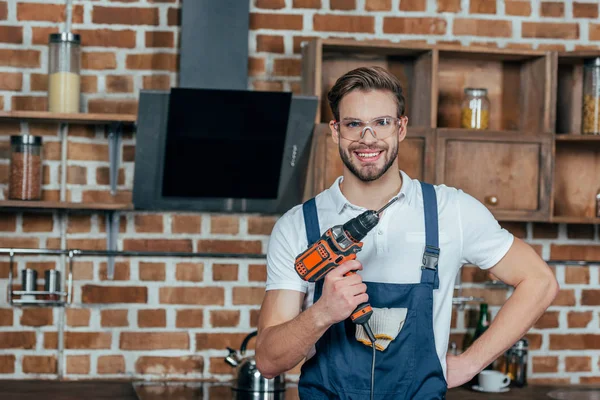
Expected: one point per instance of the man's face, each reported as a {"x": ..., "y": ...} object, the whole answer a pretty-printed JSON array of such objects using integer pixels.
[{"x": 368, "y": 158}]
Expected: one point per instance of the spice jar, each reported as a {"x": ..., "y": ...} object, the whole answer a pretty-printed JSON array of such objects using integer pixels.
[
  {"x": 64, "y": 59},
  {"x": 475, "y": 109},
  {"x": 25, "y": 181},
  {"x": 591, "y": 97},
  {"x": 516, "y": 363}
]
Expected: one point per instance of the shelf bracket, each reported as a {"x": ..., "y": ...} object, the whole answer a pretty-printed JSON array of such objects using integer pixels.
[
  {"x": 114, "y": 145},
  {"x": 112, "y": 232}
]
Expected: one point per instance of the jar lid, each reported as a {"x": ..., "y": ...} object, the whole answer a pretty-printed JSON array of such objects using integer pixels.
[
  {"x": 26, "y": 139},
  {"x": 476, "y": 91},
  {"x": 65, "y": 37},
  {"x": 522, "y": 344},
  {"x": 592, "y": 62}
]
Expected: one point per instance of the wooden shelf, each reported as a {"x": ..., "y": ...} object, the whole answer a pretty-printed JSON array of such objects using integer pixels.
[
  {"x": 576, "y": 138},
  {"x": 59, "y": 205},
  {"x": 575, "y": 220},
  {"x": 76, "y": 118}
]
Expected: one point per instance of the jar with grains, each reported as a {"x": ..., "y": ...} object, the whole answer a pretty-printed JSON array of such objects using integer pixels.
[
  {"x": 64, "y": 62},
  {"x": 590, "y": 124},
  {"x": 475, "y": 109},
  {"x": 25, "y": 180}
]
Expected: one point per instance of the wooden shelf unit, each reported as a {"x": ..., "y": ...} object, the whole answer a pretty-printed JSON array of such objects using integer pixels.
[
  {"x": 62, "y": 205},
  {"x": 75, "y": 118}
]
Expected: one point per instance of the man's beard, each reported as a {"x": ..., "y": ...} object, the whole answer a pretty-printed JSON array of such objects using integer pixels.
[{"x": 370, "y": 173}]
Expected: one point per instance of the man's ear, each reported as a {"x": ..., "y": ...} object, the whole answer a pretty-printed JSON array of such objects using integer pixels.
[
  {"x": 335, "y": 136},
  {"x": 403, "y": 128}
]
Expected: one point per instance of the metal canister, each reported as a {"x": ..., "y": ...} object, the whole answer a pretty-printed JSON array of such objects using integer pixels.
[
  {"x": 516, "y": 363},
  {"x": 28, "y": 283},
  {"x": 52, "y": 280}
]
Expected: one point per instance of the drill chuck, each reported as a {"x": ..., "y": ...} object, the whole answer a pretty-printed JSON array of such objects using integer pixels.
[{"x": 357, "y": 228}]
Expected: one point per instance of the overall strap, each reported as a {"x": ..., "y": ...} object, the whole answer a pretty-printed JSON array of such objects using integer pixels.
[
  {"x": 429, "y": 273},
  {"x": 313, "y": 233}
]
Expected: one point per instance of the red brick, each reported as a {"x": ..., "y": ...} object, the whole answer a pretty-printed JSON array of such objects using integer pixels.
[
  {"x": 415, "y": 26},
  {"x": 76, "y": 175},
  {"x": 585, "y": 10},
  {"x": 590, "y": 297},
  {"x": 550, "y": 30},
  {"x": 307, "y": 4},
  {"x": 493, "y": 297},
  {"x": 545, "y": 231},
  {"x": 150, "y": 271},
  {"x": 111, "y": 365},
  {"x": 482, "y": 27},
  {"x": 107, "y": 294},
  {"x": 37, "y": 317},
  {"x": 103, "y": 176},
  {"x": 254, "y": 314},
  {"x": 128, "y": 153},
  {"x": 37, "y": 223},
  {"x": 154, "y": 61},
  {"x": 218, "y": 366},
  {"x": 261, "y": 225},
  {"x": 50, "y": 340},
  {"x": 86, "y": 244},
  {"x": 154, "y": 340},
  {"x": 224, "y": 318},
  {"x": 287, "y": 67},
  {"x": 20, "y": 58},
  {"x": 190, "y": 318},
  {"x": 11, "y": 81},
  {"x": 51, "y": 151},
  {"x": 119, "y": 84},
  {"x": 125, "y": 15},
  {"x": 169, "y": 365},
  {"x": 575, "y": 342},
  {"x": 230, "y": 246},
  {"x": 256, "y": 66},
  {"x": 78, "y": 317},
  {"x": 257, "y": 272},
  {"x": 552, "y": 381},
  {"x": 186, "y": 223},
  {"x": 190, "y": 272},
  {"x": 548, "y": 320},
  {"x": 580, "y": 231},
  {"x": 47, "y": 12},
  {"x": 157, "y": 82},
  {"x": 270, "y": 44},
  {"x": 565, "y": 297},
  {"x": 125, "y": 38},
  {"x": 517, "y": 8},
  {"x": 157, "y": 245},
  {"x": 121, "y": 271},
  {"x": 7, "y": 364},
  {"x": 248, "y": 295},
  {"x": 577, "y": 275},
  {"x": 343, "y": 23},
  {"x": 378, "y": 5},
  {"x": 160, "y": 39},
  {"x": 482, "y": 7},
  {"x": 39, "y": 364},
  {"x": 192, "y": 295},
  {"x": 220, "y": 341},
  {"x": 272, "y": 4},
  {"x": 3, "y": 10},
  {"x": 98, "y": 60},
  {"x": 23, "y": 242},
  {"x": 148, "y": 223},
  {"x": 29, "y": 103},
  {"x": 344, "y": 5},
  {"x": 114, "y": 318},
  {"x": 224, "y": 224},
  {"x": 152, "y": 318},
  {"x": 578, "y": 364},
  {"x": 6, "y": 317},
  {"x": 225, "y": 272},
  {"x": 552, "y": 9},
  {"x": 579, "y": 319},
  {"x": 87, "y": 340},
  {"x": 544, "y": 364},
  {"x": 113, "y": 106},
  {"x": 83, "y": 270},
  {"x": 594, "y": 31},
  {"x": 413, "y": 5},
  {"x": 283, "y": 21},
  {"x": 8, "y": 222},
  {"x": 174, "y": 16},
  {"x": 78, "y": 365}
]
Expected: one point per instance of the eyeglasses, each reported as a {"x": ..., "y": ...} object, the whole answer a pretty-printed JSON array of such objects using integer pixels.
[{"x": 380, "y": 127}]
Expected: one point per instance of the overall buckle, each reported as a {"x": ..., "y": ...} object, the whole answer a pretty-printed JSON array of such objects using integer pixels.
[{"x": 430, "y": 257}]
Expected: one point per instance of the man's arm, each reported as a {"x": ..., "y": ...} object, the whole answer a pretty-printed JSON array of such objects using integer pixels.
[{"x": 535, "y": 289}]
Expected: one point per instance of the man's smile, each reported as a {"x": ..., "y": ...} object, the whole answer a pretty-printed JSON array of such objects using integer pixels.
[{"x": 368, "y": 155}]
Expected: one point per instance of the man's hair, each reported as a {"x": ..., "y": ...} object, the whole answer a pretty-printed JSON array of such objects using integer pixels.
[{"x": 365, "y": 78}]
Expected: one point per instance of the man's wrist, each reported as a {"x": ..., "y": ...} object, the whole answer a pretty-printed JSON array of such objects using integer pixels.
[
  {"x": 473, "y": 363},
  {"x": 319, "y": 316}
]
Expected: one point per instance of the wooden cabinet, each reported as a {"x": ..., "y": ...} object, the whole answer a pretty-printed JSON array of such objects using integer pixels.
[{"x": 508, "y": 173}]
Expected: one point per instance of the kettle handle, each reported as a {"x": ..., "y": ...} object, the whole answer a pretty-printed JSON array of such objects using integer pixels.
[{"x": 246, "y": 340}]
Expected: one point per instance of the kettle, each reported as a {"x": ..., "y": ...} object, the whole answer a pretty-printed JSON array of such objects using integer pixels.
[{"x": 249, "y": 382}]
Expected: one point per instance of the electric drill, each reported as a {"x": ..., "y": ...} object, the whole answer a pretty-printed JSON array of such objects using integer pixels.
[{"x": 337, "y": 245}]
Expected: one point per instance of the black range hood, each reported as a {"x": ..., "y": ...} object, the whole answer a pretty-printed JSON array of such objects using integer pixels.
[{"x": 210, "y": 144}]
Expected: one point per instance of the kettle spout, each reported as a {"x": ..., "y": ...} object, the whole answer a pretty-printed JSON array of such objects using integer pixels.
[{"x": 233, "y": 358}]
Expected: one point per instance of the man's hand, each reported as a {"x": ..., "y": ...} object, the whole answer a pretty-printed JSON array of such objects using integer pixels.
[
  {"x": 459, "y": 370},
  {"x": 341, "y": 294}
]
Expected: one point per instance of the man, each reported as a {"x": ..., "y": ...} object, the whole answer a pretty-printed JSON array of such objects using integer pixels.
[{"x": 310, "y": 321}]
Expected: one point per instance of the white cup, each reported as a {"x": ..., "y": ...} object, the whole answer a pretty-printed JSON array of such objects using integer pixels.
[{"x": 493, "y": 380}]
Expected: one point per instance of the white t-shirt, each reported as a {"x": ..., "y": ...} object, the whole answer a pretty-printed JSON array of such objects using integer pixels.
[{"x": 393, "y": 250}]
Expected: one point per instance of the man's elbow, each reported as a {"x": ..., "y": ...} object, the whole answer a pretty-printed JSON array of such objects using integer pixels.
[
  {"x": 263, "y": 365},
  {"x": 551, "y": 287}
]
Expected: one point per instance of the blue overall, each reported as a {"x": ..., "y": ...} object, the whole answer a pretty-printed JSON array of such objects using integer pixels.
[{"x": 409, "y": 368}]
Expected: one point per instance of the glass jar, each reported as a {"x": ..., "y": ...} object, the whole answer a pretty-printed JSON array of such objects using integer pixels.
[
  {"x": 590, "y": 124},
  {"x": 516, "y": 363},
  {"x": 25, "y": 181},
  {"x": 64, "y": 60},
  {"x": 475, "y": 109}
]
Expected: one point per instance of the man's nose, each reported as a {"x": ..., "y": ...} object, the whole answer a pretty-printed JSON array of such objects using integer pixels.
[{"x": 368, "y": 135}]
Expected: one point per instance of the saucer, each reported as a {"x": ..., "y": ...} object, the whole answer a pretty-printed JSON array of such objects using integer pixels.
[{"x": 480, "y": 389}]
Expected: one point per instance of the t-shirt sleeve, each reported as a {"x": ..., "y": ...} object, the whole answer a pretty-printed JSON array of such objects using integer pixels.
[
  {"x": 484, "y": 241},
  {"x": 284, "y": 244}
]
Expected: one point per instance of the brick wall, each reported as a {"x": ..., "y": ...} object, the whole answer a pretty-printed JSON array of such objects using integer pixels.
[{"x": 174, "y": 317}]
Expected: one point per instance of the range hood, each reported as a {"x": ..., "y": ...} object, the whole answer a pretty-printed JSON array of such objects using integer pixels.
[{"x": 211, "y": 144}]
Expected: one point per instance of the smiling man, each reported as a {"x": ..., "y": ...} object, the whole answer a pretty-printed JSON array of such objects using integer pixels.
[{"x": 406, "y": 269}]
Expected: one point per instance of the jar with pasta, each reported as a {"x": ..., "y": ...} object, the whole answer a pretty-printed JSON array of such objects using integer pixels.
[
  {"x": 475, "y": 109},
  {"x": 590, "y": 124}
]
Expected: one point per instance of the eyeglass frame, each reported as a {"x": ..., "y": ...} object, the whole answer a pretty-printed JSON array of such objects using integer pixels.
[{"x": 336, "y": 126}]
